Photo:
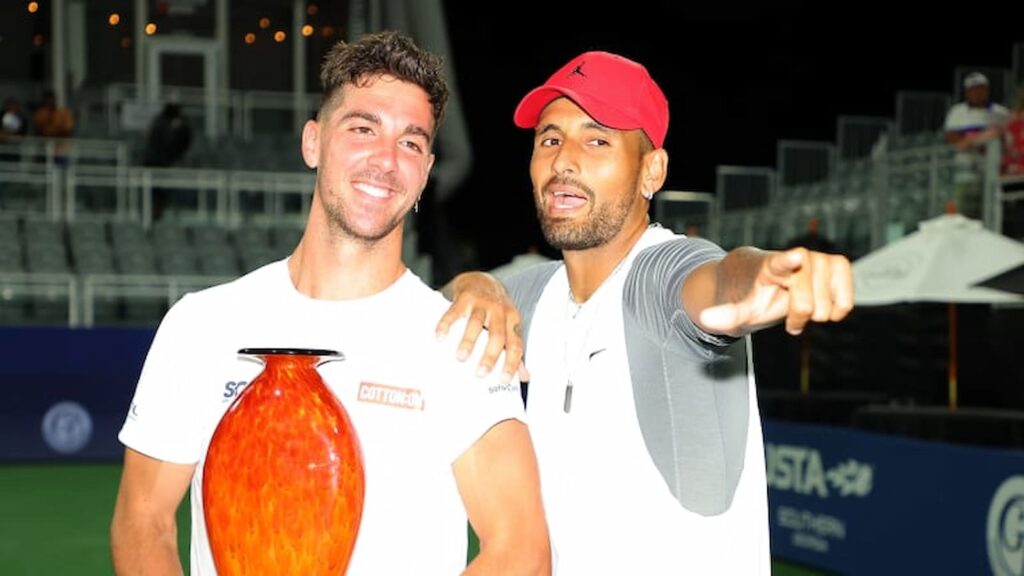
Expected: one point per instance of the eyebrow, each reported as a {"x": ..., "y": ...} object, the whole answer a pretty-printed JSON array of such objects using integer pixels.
[
  {"x": 411, "y": 129},
  {"x": 591, "y": 125},
  {"x": 372, "y": 118},
  {"x": 414, "y": 130}
]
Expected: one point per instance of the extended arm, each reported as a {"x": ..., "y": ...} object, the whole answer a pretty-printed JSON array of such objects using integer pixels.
[
  {"x": 144, "y": 532},
  {"x": 750, "y": 289},
  {"x": 500, "y": 487}
]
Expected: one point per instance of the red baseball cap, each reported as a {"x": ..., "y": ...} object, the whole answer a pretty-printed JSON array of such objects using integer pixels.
[{"x": 615, "y": 91}]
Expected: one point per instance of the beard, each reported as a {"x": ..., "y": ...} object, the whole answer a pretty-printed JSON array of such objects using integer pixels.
[
  {"x": 601, "y": 224},
  {"x": 339, "y": 222}
]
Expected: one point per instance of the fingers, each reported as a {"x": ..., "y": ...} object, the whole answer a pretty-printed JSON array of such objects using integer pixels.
[
  {"x": 782, "y": 264},
  {"x": 474, "y": 326},
  {"x": 820, "y": 291},
  {"x": 496, "y": 342},
  {"x": 524, "y": 374},
  {"x": 801, "y": 292},
  {"x": 451, "y": 315},
  {"x": 842, "y": 288},
  {"x": 822, "y": 283},
  {"x": 514, "y": 347},
  {"x": 485, "y": 304}
]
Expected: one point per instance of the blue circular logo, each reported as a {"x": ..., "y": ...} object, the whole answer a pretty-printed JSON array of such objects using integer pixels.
[
  {"x": 1006, "y": 528},
  {"x": 67, "y": 427}
]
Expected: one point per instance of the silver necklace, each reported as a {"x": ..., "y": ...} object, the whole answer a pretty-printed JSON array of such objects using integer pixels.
[{"x": 574, "y": 310}]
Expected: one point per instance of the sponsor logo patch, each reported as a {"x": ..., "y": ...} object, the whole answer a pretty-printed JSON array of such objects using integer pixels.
[{"x": 407, "y": 398}]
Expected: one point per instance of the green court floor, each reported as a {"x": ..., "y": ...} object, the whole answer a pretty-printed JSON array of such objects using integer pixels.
[{"x": 55, "y": 519}]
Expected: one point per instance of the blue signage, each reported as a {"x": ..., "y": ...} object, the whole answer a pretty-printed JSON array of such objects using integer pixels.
[
  {"x": 854, "y": 502},
  {"x": 67, "y": 392}
]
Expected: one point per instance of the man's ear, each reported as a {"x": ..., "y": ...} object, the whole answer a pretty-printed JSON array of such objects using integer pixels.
[
  {"x": 311, "y": 143},
  {"x": 654, "y": 172}
]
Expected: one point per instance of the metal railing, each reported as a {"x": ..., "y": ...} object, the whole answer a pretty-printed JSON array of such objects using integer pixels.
[
  {"x": 863, "y": 204},
  {"x": 58, "y": 179},
  {"x": 72, "y": 299}
]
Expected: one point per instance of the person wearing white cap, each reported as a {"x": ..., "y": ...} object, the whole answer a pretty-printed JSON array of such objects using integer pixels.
[
  {"x": 642, "y": 402},
  {"x": 970, "y": 125}
]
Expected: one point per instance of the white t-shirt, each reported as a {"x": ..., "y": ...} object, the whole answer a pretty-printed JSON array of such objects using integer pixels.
[
  {"x": 609, "y": 508},
  {"x": 964, "y": 119},
  {"x": 413, "y": 519}
]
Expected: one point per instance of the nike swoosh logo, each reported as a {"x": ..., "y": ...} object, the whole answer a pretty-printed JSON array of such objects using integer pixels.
[{"x": 596, "y": 352}]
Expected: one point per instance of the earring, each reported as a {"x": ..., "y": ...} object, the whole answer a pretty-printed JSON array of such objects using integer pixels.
[
  {"x": 416, "y": 207},
  {"x": 647, "y": 195}
]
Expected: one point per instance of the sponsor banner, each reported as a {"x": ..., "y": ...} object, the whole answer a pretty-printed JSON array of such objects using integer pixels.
[
  {"x": 854, "y": 502},
  {"x": 67, "y": 392}
]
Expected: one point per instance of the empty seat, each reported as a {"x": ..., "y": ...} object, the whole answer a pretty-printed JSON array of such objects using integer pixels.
[
  {"x": 90, "y": 249},
  {"x": 9, "y": 232},
  {"x": 87, "y": 233},
  {"x": 43, "y": 232},
  {"x": 177, "y": 261},
  {"x": 254, "y": 237},
  {"x": 11, "y": 260},
  {"x": 92, "y": 259},
  {"x": 46, "y": 258},
  {"x": 127, "y": 234},
  {"x": 218, "y": 260},
  {"x": 11, "y": 252},
  {"x": 253, "y": 258},
  {"x": 207, "y": 236},
  {"x": 169, "y": 233},
  {"x": 135, "y": 259}
]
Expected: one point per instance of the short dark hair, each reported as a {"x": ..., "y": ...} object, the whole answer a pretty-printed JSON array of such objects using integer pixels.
[{"x": 381, "y": 53}]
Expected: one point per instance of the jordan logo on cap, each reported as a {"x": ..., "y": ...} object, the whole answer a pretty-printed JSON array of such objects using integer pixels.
[{"x": 578, "y": 70}]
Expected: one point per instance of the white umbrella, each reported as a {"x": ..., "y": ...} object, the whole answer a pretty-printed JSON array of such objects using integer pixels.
[{"x": 941, "y": 262}]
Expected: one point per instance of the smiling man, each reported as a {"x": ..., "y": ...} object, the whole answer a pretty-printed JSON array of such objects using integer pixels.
[{"x": 439, "y": 445}]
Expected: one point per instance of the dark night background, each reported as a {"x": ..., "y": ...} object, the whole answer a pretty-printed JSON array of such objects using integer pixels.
[{"x": 738, "y": 76}]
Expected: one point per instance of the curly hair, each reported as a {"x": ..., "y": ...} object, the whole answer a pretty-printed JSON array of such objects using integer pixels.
[{"x": 390, "y": 53}]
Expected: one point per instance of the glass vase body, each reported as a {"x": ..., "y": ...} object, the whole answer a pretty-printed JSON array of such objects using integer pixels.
[{"x": 283, "y": 481}]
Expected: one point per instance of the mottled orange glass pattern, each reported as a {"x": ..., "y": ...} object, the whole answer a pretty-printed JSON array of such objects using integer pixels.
[{"x": 283, "y": 482}]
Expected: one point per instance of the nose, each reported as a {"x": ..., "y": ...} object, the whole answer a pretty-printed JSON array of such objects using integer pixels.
[
  {"x": 385, "y": 155},
  {"x": 566, "y": 160}
]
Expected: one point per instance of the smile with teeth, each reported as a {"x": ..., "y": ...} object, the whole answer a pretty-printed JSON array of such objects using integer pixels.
[{"x": 372, "y": 190}]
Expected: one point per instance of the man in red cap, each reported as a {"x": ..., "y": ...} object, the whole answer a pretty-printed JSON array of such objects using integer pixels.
[{"x": 642, "y": 403}]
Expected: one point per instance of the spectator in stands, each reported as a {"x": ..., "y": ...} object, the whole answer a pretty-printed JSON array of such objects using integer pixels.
[
  {"x": 970, "y": 125},
  {"x": 13, "y": 125},
  {"x": 813, "y": 239},
  {"x": 167, "y": 141},
  {"x": 52, "y": 120},
  {"x": 169, "y": 137},
  {"x": 464, "y": 452}
]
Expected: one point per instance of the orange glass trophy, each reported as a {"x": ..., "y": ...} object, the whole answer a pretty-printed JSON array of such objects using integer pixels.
[{"x": 283, "y": 482}]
